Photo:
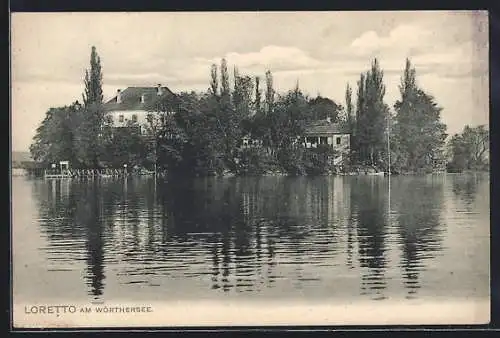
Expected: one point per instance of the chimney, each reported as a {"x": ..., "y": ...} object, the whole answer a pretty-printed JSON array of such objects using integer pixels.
[
  {"x": 158, "y": 92},
  {"x": 119, "y": 96},
  {"x": 143, "y": 98}
]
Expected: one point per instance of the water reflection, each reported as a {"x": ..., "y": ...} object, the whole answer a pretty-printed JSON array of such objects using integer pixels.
[
  {"x": 419, "y": 226},
  {"x": 286, "y": 237},
  {"x": 369, "y": 198},
  {"x": 465, "y": 187}
]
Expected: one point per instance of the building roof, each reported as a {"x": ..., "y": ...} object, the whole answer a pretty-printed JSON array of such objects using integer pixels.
[
  {"x": 131, "y": 98},
  {"x": 324, "y": 128}
]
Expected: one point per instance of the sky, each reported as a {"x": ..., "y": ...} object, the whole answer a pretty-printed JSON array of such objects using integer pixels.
[{"x": 323, "y": 51}]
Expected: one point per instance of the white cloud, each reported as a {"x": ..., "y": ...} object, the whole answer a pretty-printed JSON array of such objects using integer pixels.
[
  {"x": 403, "y": 37},
  {"x": 275, "y": 57},
  {"x": 137, "y": 79}
]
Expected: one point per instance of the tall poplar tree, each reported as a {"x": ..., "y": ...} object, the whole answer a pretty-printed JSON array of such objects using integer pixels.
[
  {"x": 350, "y": 117},
  {"x": 93, "y": 80},
  {"x": 371, "y": 118},
  {"x": 258, "y": 95},
  {"x": 349, "y": 107},
  {"x": 225, "y": 87},
  {"x": 419, "y": 133},
  {"x": 214, "y": 81},
  {"x": 269, "y": 92},
  {"x": 89, "y": 138}
]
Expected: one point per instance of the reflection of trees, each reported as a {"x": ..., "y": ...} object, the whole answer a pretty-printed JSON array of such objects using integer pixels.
[
  {"x": 368, "y": 198},
  {"x": 215, "y": 212},
  {"x": 233, "y": 229},
  {"x": 77, "y": 222},
  {"x": 465, "y": 186},
  {"x": 87, "y": 216},
  {"x": 246, "y": 220},
  {"x": 419, "y": 205},
  {"x": 72, "y": 222}
]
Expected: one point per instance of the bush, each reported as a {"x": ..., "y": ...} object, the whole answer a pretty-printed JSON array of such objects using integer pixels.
[
  {"x": 319, "y": 161},
  {"x": 256, "y": 161}
]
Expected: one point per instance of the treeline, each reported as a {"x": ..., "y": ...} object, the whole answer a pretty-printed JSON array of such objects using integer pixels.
[
  {"x": 206, "y": 135},
  {"x": 469, "y": 150}
]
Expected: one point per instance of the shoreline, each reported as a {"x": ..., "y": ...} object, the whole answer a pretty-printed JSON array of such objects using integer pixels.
[{"x": 162, "y": 177}]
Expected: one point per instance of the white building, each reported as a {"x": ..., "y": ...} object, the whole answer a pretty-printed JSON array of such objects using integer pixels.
[{"x": 134, "y": 104}]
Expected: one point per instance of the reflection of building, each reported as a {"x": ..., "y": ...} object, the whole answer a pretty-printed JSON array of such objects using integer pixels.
[
  {"x": 339, "y": 199},
  {"x": 131, "y": 105}
]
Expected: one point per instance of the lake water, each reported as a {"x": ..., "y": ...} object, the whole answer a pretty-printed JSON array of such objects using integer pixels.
[{"x": 325, "y": 239}]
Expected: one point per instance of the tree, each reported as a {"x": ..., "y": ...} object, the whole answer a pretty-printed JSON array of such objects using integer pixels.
[
  {"x": 128, "y": 147},
  {"x": 224, "y": 83},
  {"x": 53, "y": 141},
  {"x": 469, "y": 149},
  {"x": 258, "y": 96},
  {"x": 360, "y": 106},
  {"x": 93, "y": 80},
  {"x": 269, "y": 91},
  {"x": 418, "y": 134},
  {"x": 371, "y": 116},
  {"x": 214, "y": 81},
  {"x": 242, "y": 95},
  {"x": 164, "y": 139},
  {"x": 89, "y": 138},
  {"x": 287, "y": 120},
  {"x": 322, "y": 108},
  {"x": 349, "y": 107}
]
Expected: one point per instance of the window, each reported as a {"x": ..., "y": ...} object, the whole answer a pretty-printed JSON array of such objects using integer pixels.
[
  {"x": 323, "y": 140},
  {"x": 134, "y": 118},
  {"x": 338, "y": 140},
  {"x": 121, "y": 118}
]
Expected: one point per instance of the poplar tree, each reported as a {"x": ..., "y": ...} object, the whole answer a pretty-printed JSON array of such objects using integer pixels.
[
  {"x": 269, "y": 92},
  {"x": 214, "y": 81},
  {"x": 349, "y": 107},
  {"x": 89, "y": 138},
  {"x": 93, "y": 80},
  {"x": 258, "y": 95},
  {"x": 371, "y": 115},
  {"x": 224, "y": 79},
  {"x": 419, "y": 133}
]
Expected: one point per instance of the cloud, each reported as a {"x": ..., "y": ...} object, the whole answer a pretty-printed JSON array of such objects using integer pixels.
[
  {"x": 404, "y": 36},
  {"x": 134, "y": 79},
  {"x": 276, "y": 58},
  {"x": 430, "y": 52},
  {"x": 461, "y": 61}
]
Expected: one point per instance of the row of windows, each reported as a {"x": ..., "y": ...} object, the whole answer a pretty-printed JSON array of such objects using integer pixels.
[
  {"x": 121, "y": 118},
  {"x": 322, "y": 140}
]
